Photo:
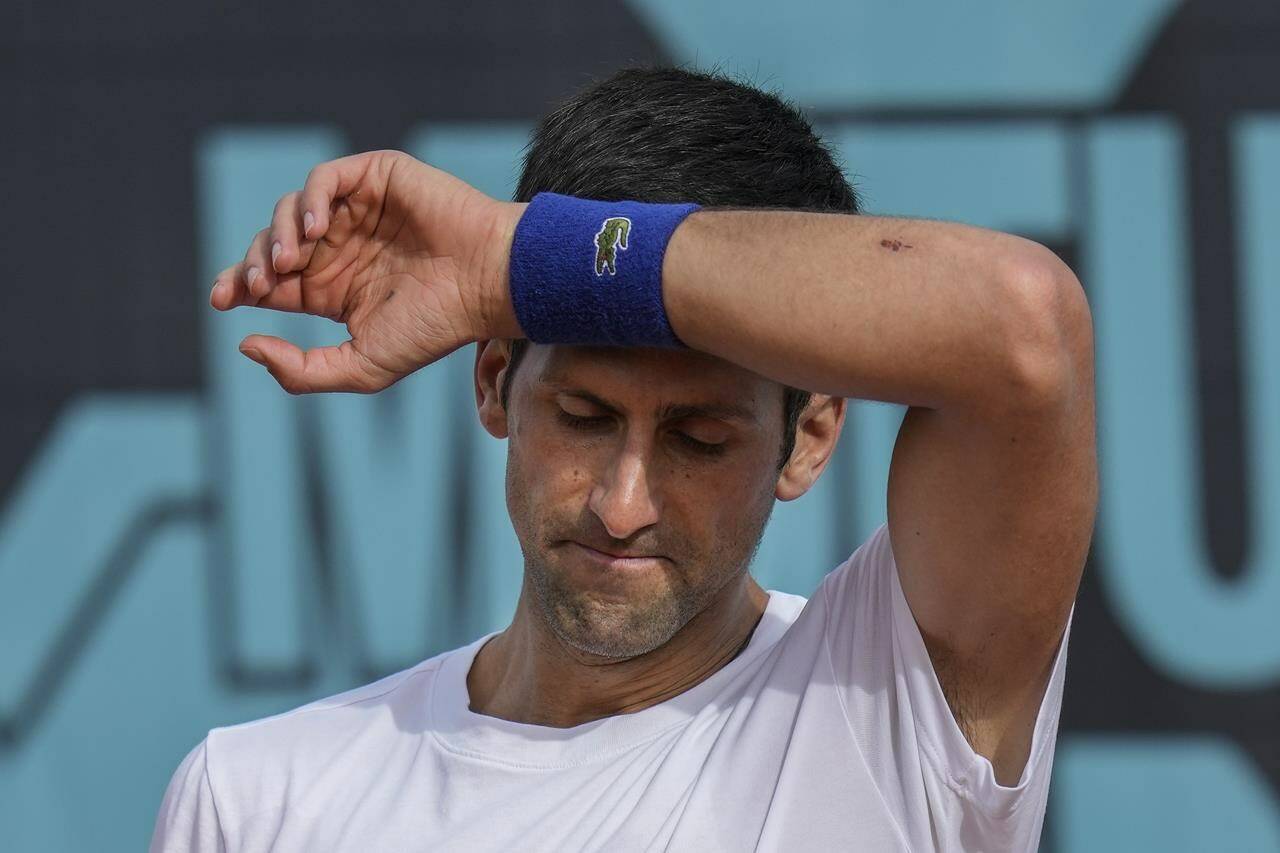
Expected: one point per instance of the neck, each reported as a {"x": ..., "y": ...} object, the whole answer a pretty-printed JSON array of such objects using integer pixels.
[{"x": 527, "y": 674}]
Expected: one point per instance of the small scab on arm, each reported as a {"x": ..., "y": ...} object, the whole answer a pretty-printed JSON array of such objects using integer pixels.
[{"x": 895, "y": 245}]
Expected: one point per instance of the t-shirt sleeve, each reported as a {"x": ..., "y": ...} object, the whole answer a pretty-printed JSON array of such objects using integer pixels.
[
  {"x": 188, "y": 818},
  {"x": 902, "y": 722}
]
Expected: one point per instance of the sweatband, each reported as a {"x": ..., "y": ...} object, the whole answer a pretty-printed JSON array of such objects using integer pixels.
[{"x": 584, "y": 271}]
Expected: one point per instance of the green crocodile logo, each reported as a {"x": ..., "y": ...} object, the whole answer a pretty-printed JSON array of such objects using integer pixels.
[{"x": 611, "y": 237}]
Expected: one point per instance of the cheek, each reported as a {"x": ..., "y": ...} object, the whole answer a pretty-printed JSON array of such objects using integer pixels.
[
  {"x": 544, "y": 477},
  {"x": 720, "y": 513},
  {"x": 737, "y": 501}
]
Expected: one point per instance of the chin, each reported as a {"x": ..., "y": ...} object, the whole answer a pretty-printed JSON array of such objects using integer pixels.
[
  {"x": 614, "y": 629},
  {"x": 620, "y": 646}
]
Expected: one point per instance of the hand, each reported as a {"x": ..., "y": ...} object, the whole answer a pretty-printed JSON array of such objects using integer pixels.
[{"x": 410, "y": 258}]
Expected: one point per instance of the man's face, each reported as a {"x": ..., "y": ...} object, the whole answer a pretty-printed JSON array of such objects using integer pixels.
[{"x": 670, "y": 454}]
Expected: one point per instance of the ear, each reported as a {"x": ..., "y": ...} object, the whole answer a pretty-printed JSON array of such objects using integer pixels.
[
  {"x": 493, "y": 359},
  {"x": 817, "y": 430}
]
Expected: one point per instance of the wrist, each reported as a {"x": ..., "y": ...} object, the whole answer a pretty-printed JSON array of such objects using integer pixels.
[
  {"x": 496, "y": 312},
  {"x": 588, "y": 271}
]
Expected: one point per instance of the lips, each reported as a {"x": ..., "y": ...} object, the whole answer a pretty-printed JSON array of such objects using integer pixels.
[
  {"x": 617, "y": 561},
  {"x": 615, "y": 553}
]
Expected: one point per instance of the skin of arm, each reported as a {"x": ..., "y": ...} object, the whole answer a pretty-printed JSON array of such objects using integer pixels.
[{"x": 987, "y": 339}]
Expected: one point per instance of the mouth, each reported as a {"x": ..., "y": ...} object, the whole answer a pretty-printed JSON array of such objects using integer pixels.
[{"x": 615, "y": 562}]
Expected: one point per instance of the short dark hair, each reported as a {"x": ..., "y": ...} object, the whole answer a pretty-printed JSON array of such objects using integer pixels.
[{"x": 667, "y": 134}]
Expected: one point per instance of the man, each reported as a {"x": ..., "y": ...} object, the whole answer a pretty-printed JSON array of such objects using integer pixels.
[{"x": 664, "y": 369}]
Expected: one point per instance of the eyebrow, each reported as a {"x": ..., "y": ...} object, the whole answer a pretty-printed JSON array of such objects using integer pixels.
[{"x": 671, "y": 411}]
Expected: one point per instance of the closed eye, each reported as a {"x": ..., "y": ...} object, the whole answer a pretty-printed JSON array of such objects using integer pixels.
[{"x": 590, "y": 424}]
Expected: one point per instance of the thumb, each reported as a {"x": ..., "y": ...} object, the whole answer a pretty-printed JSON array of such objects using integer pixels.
[{"x": 340, "y": 368}]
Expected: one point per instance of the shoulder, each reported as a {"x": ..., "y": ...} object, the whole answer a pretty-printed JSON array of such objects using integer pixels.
[
  {"x": 253, "y": 769},
  {"x": 857, "y": 596},
  {"x": 309, "y": 731},
  {"x": 188, "y": 817},
  {"x": 241, "y": 771},
  {"x": 850, "y": 605}
]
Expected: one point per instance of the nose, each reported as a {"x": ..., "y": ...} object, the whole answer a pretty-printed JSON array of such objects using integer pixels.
[{"x": 623, "y": 500}]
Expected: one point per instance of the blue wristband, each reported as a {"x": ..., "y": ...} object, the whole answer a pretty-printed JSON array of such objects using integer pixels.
[{"x": 590, "y": 272}]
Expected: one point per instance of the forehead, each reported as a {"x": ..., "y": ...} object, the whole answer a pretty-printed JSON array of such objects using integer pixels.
[{"x": 665, "y": 380}]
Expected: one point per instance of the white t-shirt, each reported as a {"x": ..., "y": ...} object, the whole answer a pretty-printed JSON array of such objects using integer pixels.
[{"x": 828, "y": 732}]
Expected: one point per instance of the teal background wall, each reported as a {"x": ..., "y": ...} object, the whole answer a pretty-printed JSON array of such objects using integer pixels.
[{"x": 184, "y": 546}]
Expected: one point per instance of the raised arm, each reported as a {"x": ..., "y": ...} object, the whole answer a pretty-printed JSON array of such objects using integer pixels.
[{"x": 987, "y": 338}]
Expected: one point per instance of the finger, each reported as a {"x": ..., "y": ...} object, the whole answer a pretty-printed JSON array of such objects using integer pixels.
[
  {"x": 285, "y": 252},
  {"x": 328, "y": 182},
  {"x": 340, "y": 368},
  {"x": 258, "y": 272},
  {"x": 229, "y": 289},
  {"x": 286, "y": 295}
]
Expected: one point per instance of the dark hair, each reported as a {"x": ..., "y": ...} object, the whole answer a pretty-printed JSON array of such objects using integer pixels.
[{"x": 663, "y": 134}]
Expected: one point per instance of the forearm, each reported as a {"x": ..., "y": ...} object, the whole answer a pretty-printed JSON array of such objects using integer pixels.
[{"x": 910, "y": 311}]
